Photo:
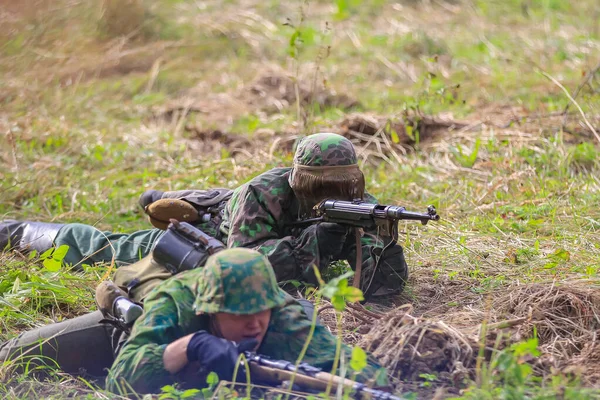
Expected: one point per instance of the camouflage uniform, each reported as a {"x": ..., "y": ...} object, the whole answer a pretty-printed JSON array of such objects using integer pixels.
[
  {"x": 238, "y": 281},
  {"x": 260, "y": 216},
  {"x": 261, "y": 212}
]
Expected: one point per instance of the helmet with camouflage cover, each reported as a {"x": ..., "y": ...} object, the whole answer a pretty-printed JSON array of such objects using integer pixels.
[
  {"x": 326, "y": 166},
  {"x": 237, "y": 281}
]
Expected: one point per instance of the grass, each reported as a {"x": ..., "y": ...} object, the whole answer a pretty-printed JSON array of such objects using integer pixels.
[{"x": 83, "y": 137}]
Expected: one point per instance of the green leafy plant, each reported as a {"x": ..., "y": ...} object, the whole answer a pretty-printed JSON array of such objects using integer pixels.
[
  {"x": 170, "y": 392},
  {"x": 558, "y": 257},
  {"x": 428, "y": 379},
  {"x": 465, "y": 159},
  {"x": 509, "y": 375},
  {"x": 338, "y": 291},
  {"x": 53, "y": 257}
]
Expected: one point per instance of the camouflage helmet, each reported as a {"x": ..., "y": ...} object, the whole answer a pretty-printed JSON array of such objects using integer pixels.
[
  {"x": 325, "y": 149},
  {"x": 326, "y": 165},
  {"x": 237, "y": 281}
]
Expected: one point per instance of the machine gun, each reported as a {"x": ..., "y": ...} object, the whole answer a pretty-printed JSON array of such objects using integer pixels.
[
  {"x": 307, "y": 377},
  {"x": 360, "y": 214}
]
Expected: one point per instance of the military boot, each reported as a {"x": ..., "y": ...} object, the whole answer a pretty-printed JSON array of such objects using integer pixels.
[
  {"x": 115, "y": 305},
  {"x": 10, "y": 234},
  {"x": 25, "y": 236}
]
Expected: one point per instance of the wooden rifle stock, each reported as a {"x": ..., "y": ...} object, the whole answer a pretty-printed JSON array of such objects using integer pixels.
[{"x": 275, "y": 372}]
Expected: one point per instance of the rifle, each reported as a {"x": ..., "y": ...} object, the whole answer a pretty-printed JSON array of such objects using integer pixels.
[
  {"x": 365, "y": 215},
  {"x": 360, "y": 214},
  {"x": 275, "y": 372}
]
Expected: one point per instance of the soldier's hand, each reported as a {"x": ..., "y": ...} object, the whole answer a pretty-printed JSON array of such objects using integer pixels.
[
  {"x": 390, "y": 276},
  {"x": 217, "y": 354},
  {"x": 331, "y": 238}
]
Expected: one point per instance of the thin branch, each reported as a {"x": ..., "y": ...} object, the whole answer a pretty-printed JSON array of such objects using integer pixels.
[
  {"x": 587, "y": 80},
  {"x": 557, "y": 83}
]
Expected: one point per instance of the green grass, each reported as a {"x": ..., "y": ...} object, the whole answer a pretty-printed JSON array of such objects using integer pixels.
[{"x": 81, "y": 139}]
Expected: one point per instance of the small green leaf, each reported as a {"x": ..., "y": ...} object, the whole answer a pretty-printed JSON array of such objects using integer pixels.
[
  {"x": 358, "y": 361},
  {"x": 295, "y": 283},
  {"x": 60, "y": 252},
  {"x": 294, "y": 37},
  {"x": 428, "y": 377},
  {"x": 52, "y": 265},
  {"x": 167, "y": 389},
  {"x": 409, "y": 132},
  {"x": 212, "y": 379},
  {"x": 16, "y": 285},
  {"x": 338, "y": 303},
  {"x": 394, "y": 135},
  {"x": 550, "y": 265},
  {"x": 390, "y": 129},
  {"x": 528, "y": 347},
  {"x": 353, "y": 294},
  {"x": 336, "y": 281},
  {"x": 342, "y": 9},
  {"x": 47, "y": 253},
  {"x": 189, "y": 393},
  {"x": 561, "y": 254}
]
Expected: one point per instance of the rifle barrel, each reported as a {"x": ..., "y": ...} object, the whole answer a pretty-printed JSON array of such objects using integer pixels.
[{"x": 378, "y": 211}]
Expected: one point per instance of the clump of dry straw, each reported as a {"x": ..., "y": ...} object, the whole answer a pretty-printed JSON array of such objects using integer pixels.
[
  {"x": 408, "y": 347},
  {"x": 564, "y": 317}
]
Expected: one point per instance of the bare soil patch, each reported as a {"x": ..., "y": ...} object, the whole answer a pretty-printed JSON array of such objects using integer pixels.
[
  {"x": 271, "y": 92},
  {"x": 380, "y": 131}
]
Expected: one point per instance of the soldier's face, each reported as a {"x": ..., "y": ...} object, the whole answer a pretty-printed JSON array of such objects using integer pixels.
[{"x": 239, "y": 327}]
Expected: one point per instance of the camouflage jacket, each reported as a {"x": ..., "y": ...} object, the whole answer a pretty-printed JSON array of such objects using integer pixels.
[
  {"x": 169, "y": 315},
  {"x": 259, "y": 215}
]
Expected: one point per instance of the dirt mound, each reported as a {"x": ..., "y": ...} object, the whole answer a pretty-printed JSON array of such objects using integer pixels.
[
  {"x": 215, "y": 141},
  {"x": 275, "y": 91},
  {"x": 356, "y": 320},
  {"x": 380, "y": 132},
  {"x": 374, "y": 136},
  {"x": 410, "y": 346},
  {"x": 271, "y": 92}
]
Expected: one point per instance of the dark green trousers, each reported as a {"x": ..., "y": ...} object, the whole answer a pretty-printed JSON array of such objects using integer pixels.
[
  {"x": 88, "y": 245},
  {"x": 80, "y": 346}
]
